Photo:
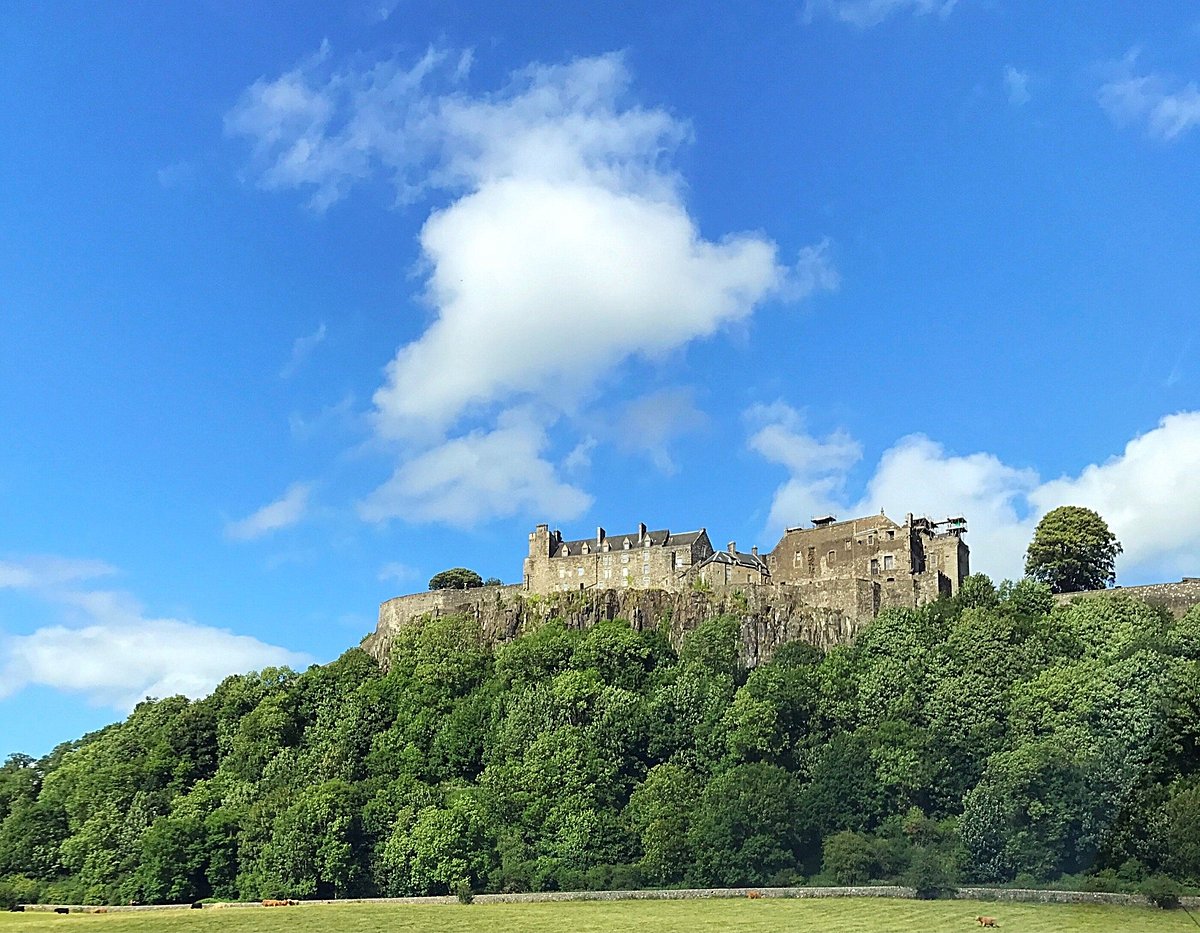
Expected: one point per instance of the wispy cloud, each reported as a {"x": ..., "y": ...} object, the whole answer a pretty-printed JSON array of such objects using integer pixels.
[
  {"x": 1152, "y": 485},
  {"x": 302, "y": 348},
  {"x": 397, "y": 572},
  {"x": 1166, "y": 107},
  {"x": 867, "y": 13},
  {"x": 46, "y": 571},
  {"x": 284, "y": 512},
  {"x": 566, "y": 240},
  {"x": 109, "y": 650},
  {"x": 649, "y": 424},
  {"x": 1016, "y": 82}
]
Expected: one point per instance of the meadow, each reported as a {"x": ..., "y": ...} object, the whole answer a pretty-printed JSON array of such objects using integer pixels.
[{"x": 843, "y": 915}]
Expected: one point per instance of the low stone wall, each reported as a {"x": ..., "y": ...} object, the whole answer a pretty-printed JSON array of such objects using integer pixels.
[
  {"x": 1021, "y": 895},
  {"x": 1177, "y": 598}
]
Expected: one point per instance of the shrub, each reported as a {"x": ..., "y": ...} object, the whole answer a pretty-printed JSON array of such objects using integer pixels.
[
  {"x": 463, "y": 892},
  {"x": 930, "y": 874},
  {"x": 1161, "y": 891}
]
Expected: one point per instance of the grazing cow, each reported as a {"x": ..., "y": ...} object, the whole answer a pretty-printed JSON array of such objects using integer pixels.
[
  {"x": 62, "y": 910},
  {"x": 100, "y": 910},
  {"x": 271, "y": 902},
  {"x": 17, "y": 909},
  {"x": 987, "y": 922},
  {"x": 753, "y": 895},
  {"x": 197, "y": 905}
]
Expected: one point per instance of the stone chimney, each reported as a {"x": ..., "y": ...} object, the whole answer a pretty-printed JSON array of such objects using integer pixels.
[
  {"x": 732, "y": 547},
  {"x": 599, "y": 537},
  {"x": 754, "y": 550},
  {"x": 641, "y": 531}
]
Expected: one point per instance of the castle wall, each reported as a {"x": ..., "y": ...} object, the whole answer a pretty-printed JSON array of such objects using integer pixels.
[
  {"x": 653, "y": 566},
  {"x": 1177, "y": 598},
  {"x": 843, "y": 550}
]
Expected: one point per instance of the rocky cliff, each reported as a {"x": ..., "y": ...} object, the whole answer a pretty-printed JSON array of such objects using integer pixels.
[{"x": 769, "y": 615}]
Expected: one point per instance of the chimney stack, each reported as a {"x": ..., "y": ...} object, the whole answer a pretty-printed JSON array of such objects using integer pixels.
[
  {"x": 599, "y": 536},
  {"x": 732, "y": 547},
  {"x": 641, "y": 531},
  {"x": 754, "y": 550}
]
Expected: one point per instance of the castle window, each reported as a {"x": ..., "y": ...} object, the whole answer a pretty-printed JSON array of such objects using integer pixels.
[
  {"x": 871, "y": 540},
  {"x": 626, "y": 544},
  {"x": 889, "y": 562},
  {"x": 874, "y": 567},
  {"x": 933, "y": 562},
  {"x": 579, "y": 572},
  {"x": 831, "y": 557},
  {"x": 891, "y": 535}
]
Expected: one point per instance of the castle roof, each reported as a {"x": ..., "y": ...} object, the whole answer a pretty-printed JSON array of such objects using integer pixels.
[
  {"x": 660, "y": 538},
  {"x": 737, "y": 559}
]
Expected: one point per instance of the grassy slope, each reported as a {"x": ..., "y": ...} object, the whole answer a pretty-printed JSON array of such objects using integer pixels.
[{"x": 700, "y": 916}]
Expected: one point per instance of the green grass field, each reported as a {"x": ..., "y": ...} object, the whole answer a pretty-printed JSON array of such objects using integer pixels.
[{"x": 832, "y": 915}]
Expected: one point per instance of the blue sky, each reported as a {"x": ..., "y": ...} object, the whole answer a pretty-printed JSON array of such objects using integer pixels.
[{"x": 305, "y": 302}]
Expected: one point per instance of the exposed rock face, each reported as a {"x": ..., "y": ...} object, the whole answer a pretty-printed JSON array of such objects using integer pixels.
[{"x": 770, "y": 615}]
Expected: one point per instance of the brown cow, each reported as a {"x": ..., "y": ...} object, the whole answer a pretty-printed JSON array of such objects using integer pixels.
[
  {"x": 270, "y": 902},
  {"x": 987, "y": 922},
  {"x": 753, "y": 895}
]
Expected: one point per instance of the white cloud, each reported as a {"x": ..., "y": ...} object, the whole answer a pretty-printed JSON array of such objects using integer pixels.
[
  {"x": 302, "y": 348},
  {"x": 110, "y": 651},
  {"x": 501, "y": 472},
  {"x": 1016, "y": 82},
  {"x": 45, "y": 571},
  {"x": 1149, "y": 494},
  {"x": 817, "y": 467},
  {"x": 1167, "y": 108},
  {"x": 867, "y": 13},
  {"x": 284, "y": 512},
  {"x": 565, "y": 251}
]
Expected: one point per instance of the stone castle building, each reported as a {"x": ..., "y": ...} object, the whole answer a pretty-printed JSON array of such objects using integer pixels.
[{"x": 858, "y": 566}]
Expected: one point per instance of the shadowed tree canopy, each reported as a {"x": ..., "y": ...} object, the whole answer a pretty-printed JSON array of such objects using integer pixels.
[
  {"x": 456, "y": 578},
  {"x": 1073, "y": 550}
]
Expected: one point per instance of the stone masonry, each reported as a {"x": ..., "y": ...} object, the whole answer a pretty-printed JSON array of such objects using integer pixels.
[{"x": 858, "y": 566}]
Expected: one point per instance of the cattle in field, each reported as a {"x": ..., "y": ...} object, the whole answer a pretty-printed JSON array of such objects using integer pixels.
[
  {"x": 62, "y": 910},
  {"x": 271, "y": 902},
  {"x": 987, "y": 922},
  {"x": 753, "y": 895}
]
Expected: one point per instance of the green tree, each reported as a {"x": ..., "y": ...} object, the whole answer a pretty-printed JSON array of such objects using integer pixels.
[
  {"x": 456, "y": 578},
  {"x": 1072, "y": 550}
]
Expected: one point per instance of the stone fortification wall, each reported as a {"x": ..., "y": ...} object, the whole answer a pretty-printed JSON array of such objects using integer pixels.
[
  {"x": 770, "y": 615},
  {"x": 1176, "y": 598}
]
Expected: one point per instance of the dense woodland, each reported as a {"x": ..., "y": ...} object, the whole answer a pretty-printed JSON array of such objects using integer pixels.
[{"x": 988, "y": 738}]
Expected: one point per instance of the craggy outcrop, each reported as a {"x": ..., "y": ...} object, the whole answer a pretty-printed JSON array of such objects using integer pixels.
[{"x": 770, "y": 615}]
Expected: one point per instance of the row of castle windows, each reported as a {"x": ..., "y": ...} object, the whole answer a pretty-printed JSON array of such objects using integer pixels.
[{"x": 586, "y": 548}]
